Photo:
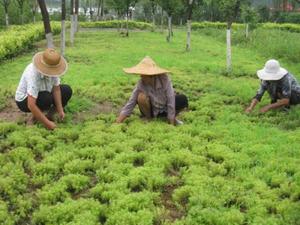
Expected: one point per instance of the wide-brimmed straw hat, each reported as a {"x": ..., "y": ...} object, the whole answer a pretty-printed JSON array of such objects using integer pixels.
[
  {"x": 146, "y": 67},
  {"x": 272, "y": 71},
  {"x": 50, "y": 63}
]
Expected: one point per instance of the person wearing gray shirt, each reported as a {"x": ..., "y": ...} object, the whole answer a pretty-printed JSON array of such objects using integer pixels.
[
  {"x": 154, "y": 94},
  {"x": 282, "y": 86}
]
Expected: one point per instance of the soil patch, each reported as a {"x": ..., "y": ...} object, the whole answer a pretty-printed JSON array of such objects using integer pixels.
[
  {"x": 11, "y": 113},
  {"x": 173, "y": 213},
  {"x": 99, "y": 108}
]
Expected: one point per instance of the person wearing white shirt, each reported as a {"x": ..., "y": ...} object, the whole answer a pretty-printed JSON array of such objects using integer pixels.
[{"x": 40, "y": 89}]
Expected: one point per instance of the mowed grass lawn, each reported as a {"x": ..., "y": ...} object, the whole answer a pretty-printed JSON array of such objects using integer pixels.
[{"x": 222, "y": 167}]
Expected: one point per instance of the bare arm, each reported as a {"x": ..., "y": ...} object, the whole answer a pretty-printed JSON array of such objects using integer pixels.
[
  {"x": 36, "y": 112},
  {"x": 171, "y": 103},
  {"x": 57, "y": 99},
  {"x": 280, "y": 103},
  {"x": 128, "y": 108},
  {"x": 252, "y": 105},
  {"x": 121, "y": 118}
]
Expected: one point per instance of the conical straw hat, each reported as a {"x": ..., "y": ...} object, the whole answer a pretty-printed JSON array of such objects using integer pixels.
[{"x": 146, "y": 67}]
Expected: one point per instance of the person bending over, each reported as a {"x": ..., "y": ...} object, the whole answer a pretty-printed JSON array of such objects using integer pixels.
[
  {"x": 281, "y": 85},
  {"x": 154, "y": 94},
  {"x": 40, "y": 89}
]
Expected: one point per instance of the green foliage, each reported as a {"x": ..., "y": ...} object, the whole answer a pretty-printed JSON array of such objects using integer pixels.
[
  {"x": 220, "y": 167},
  {"x": 82, "y": 211},
  {"x": 170, "y": 6},
  {"x": 16, "y": 39},
  {"x": 215, "y": 25},
  {"x": 117, "y": 24}
]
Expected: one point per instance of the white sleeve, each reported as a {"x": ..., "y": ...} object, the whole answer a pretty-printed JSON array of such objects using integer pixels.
[
  {"x": 33, "y": 85},
  {"x": 56, "y": 81}
]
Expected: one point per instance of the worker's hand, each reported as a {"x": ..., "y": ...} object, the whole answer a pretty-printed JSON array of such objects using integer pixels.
[
  {"x": 61, "y": 115},
  {"x": 265, "y": 109},
  {"x": 121, "y": 118},
  {"x": 248, "y": 110},
  {"x": 50, "y": 125}
]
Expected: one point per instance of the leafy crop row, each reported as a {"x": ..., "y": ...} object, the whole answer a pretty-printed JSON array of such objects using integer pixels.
[
  {"x": 117, "y": 24},
  {"x": 16, "y": 39},
  {"x": 268, "y": 26}
]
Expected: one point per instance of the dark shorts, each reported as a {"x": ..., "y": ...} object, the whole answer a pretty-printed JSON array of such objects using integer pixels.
[{"x": 45, "y": 99}]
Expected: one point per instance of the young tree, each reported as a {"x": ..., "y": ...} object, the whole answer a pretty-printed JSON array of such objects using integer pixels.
[
  {"x": 153, "y": 4},
  {"x": 170, "y": 7},
  {"x": 91, "y": 10},
  {"x": 123, "y": 7},
  {"x": 72, "y": 20},
  {"x": 100, "y": 10},
  {"x": 20, "y": 4},
  {"x": 63, "y": 27},
  {"x": 230, "y": 10},
  {"x": 5, "y": 4},
  {"x": 128, "y": 5},
  {"x": 33, "y": 5},
  {"x": 249, "y": 16},
  {"x": 189, "y": 11},
  {"x": 76, "y": 16},
  {"x": 47, "y": 26}
]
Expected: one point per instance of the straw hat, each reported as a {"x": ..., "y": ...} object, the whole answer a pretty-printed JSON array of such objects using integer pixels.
[
  {"x": 146, "y": 67},
  {"x": 50, "y": 63},
  {"x": 272, "y": 71}
]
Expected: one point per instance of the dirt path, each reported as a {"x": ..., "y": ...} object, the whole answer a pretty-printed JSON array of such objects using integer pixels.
[{"x": 11, "y": 113}]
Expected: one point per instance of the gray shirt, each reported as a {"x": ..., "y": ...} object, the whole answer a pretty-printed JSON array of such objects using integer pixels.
[
  {"x": 162, "y": 97},
  {"x": 286, "y": 87}
]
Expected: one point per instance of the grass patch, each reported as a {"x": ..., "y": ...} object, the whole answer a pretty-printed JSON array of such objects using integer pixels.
[{"x": 221, "y": 167}]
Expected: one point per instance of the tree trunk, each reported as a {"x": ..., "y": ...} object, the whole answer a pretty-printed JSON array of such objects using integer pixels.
[
  {"x": 63, "y": 27},
  {"x": 98, "y": 10},
  {"x": 47, "y": 25},
  {"x": 189, "y": 24},
  {"x": 102, "y": 10},
  {"x": 22, "y": 16},
  {"x": 127, "y": 29},
  {"x": 153, "y": 20},
  {"x": 169, "y": 28},
  {"x": 6, "y": 19},
  {"x": 76, "y": 16},
  {"x": 72, "y": 20},
  {"x": 229, "y": 60},
  {"x": 189, "y": 31},
  {"x": 162, "y": 21},
  {"x": 247, "y": 30}
]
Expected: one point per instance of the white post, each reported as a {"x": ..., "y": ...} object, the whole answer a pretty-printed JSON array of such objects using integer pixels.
[
  {"x": 75, "y": 23},
  {"x": 72, "y": 30},
  {"x": 229, "y": 67},
  {"x": 247, "y": 30},
  {"x": 49, "y": 38},
  {"x": 63, "y": 37},
  {"x": 6, "y": 19},
  {"x": 189, "y": 31}
]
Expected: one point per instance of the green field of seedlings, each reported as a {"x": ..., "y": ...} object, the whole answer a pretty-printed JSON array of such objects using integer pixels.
[{"x": 222, "y": 167}]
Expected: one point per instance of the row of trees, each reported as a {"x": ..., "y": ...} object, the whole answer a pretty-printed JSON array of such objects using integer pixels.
[
  {"x": 19, "y": 8},
  {"x": 21, "y": 11},
  {"x": 228, "y": 10}
]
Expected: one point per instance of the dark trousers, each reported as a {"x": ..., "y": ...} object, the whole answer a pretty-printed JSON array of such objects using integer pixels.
[
  {"x": 45, "y": 99},
  {"x": 181, "y": 102}
]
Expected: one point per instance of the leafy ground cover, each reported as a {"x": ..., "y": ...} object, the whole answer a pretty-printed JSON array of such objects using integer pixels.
[{"x": 221, "y": 168}]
